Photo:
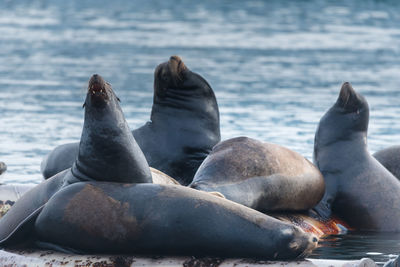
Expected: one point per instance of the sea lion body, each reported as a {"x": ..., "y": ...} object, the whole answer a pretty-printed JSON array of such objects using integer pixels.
[
  {"x": 390, "y": 158},
  {"x": 60, "y": 158},
  {"x": 164, "y": 219},
  {"x": 358, "y": 188},
  {"x": 183, "y": 127},
  {"x": 259, "y": 175}
]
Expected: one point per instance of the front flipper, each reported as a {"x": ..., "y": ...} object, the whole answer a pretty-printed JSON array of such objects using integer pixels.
[
  {"x": 17, "y": 224},
  {"x": 322, "y": 210},
  {"x": 15, "y": 234},
  {"x": 269, "y": 193}
]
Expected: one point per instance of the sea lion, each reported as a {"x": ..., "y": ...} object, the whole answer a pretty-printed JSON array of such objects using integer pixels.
[
  {"x": 259, "y": 175},
  {"x": 100, "y": 205},
  {"x": 163, "y": 220},
  {"x": 183, "y": 127},
  {"x": 319, "y": 227},
  {"x": 359, "y": 189},
  {"x": 107, "y": 152},
  {"x": 3, "y": 167},
  {"x": 390, "y": 158}
]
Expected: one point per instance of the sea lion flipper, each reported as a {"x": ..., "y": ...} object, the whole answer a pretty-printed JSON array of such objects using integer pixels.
[
  {"x": 323, "y": 210},
  {"x": 15, "y": 235},
  {"x": 18, "y": 222}
]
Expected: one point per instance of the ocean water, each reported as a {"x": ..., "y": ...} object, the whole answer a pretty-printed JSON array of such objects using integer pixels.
[{"x": 275, "y": 66}]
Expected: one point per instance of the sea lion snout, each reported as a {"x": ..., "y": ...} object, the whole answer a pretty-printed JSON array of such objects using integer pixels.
[
  {"x": 169, "y": 75},
  {"x": 176, "y": 66},
  {"x": 349, "y": 99},
  {"x": 312, "y": 244},
  {"x": 96, "y": 83},
  {"x": 97, "y": 87},
  {"x": 303, "y": 242}
]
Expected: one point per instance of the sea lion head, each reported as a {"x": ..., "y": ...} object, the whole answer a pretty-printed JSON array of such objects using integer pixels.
[
  {"x": 300, "y": 243},
  {"x": 354, "y": 106},
  {"x": 178, "y": 87},
  {"x": 347, "y": 119},
  {"x": 100, "y": 93},
  {"x": 169, "y": 75}
]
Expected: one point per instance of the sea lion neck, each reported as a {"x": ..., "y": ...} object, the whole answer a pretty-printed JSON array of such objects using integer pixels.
[{"x": 108, "y": 150}]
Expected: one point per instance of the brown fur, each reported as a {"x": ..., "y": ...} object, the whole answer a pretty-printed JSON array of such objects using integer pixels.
[{"x": 260, "y": 175}]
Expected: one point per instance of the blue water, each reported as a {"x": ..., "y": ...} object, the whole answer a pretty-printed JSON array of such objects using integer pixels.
[{"x": 275, "y": 66}]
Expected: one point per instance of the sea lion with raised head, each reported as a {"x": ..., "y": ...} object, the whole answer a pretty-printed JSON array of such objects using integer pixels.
[
  {"x": 358, "y": 188},
  {"x": 107, "y": 152},
  {"x": 259, "y": 175},
  {"x": 183, "y": 127}
]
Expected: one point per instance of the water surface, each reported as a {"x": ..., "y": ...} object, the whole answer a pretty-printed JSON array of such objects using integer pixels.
[{"x": 357, "y": 245}]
